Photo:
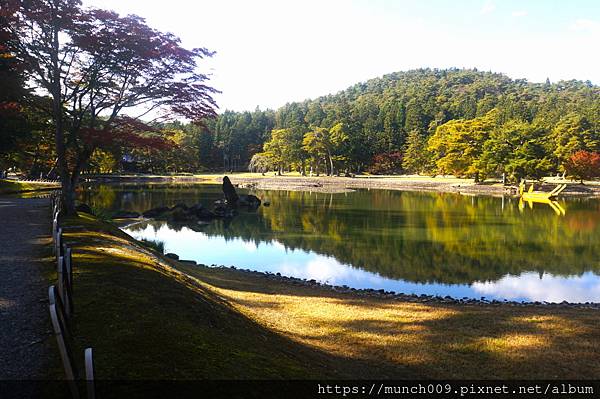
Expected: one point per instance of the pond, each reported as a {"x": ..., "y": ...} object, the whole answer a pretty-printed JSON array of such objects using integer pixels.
[{"x": 408, "y": 242}]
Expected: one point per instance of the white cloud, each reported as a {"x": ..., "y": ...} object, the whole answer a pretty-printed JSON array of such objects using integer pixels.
[
  {"x": 250, "y": 246},
  {"x": 586, "y": 25},
  {"x": 519, "y": 13},
  {"x": 488, "y": 7},
  {"x": 548, "y": 288}
]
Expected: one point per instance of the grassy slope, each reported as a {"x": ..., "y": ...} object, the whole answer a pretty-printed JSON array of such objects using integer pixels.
[
  {"x": 11, "y": 186},
  {"x": 145, "y": 320},
  {"x": 432, "y": 340}
]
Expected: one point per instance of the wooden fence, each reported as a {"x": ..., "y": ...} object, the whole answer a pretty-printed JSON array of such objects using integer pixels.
[{"x": 61, "y": 307}]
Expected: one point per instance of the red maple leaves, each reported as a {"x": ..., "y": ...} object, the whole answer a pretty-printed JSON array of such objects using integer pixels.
[{"x": 584, "y": 165}]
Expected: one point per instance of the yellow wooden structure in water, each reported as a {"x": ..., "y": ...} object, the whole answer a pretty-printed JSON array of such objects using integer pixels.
[{"x": 541, "y": 197}]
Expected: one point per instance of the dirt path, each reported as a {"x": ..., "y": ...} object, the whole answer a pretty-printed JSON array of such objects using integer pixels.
[{"x": 25, "y": 330}]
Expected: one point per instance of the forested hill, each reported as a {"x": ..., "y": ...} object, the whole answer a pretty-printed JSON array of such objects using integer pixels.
[
  {"x": 445, "y": 121},
  {"x": 456, "y": 121}
]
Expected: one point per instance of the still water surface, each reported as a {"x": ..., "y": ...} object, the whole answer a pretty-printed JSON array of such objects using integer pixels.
[{"x": 421, "y": 243}]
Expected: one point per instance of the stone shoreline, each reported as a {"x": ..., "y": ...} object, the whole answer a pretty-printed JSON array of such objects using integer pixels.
[{"x": 383, "y": 294}]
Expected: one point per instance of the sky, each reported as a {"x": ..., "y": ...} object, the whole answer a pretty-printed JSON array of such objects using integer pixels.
[{"x": 271, "y": 52}]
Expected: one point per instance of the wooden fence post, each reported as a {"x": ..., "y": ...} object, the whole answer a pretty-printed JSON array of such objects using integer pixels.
[
  {"x": 54, "y": 233},
  {"x": 89, "y": 373},
  {"x": 64, "y": 349},
  {"x": 57, "y": 242},
  {"x": 68, "y": 278}
]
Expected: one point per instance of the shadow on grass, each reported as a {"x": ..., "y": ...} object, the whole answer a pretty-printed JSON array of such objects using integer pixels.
[{"x": 433, "y": 340}]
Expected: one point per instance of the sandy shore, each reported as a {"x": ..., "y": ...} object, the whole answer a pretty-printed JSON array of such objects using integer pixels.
[
  {"x": 336, "y": 184},
  {"x": 344, "y": 184}
]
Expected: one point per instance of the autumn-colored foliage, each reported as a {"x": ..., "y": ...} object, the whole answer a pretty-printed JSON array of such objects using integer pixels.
[
  {"x": 583, "y": 165},
  {"x": 387, "y": 163},
  {"x": 97, "y": 67}
]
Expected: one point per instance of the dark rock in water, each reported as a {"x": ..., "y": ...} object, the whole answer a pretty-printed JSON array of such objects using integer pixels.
[
  {"x": 180, "y": 206},
  {"x": 220, "y": 210},
  {"x": 196, "y": 207},
  {"x": 201, "y": 212},
  {"x": 229, "y": 191},
  {"x": 249, "y": 200},
  {"x": 179, "y": 215},
  {"x": 172, "y": 256},
  {"x": 154, "y": 212},
  {"x": 205, "y": 214},
  {"x": 224, "y": 211},
  {"x": 84, "y": 208},
  {"x": 126, "y": 215}
]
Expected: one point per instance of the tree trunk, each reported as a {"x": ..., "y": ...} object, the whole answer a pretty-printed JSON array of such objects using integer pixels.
[
  {"x": 82, "y": 161},
  {"x": 68, "y": 195}
]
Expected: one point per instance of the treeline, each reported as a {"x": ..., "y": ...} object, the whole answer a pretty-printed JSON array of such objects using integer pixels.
[{"x": 461, "y": 122}]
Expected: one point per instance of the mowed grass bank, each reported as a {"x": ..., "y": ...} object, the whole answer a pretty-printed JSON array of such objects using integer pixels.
[
  {"x": 432, "y": 340},
  {"x": 13, "y": 186},
  {"x": 147, "y": 320}
]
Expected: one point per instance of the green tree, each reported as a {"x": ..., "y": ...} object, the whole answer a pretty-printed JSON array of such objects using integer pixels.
[
  {"x": 574, "y": 133},
  {"x": 325, "y": 144},
  {"x": 378, "y": 114},
  {"x": 283, "y": 149},
  {"x": 517, "y": 149},
  {"x": 417, "y": 158},
  {"x": 457, "y": 144},
  {"x": 260, "y": 162},
  {"x": 316, "y": 144}
]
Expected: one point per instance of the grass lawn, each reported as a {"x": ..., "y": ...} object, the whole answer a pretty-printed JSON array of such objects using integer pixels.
[
  {"x": 432, "y": 340},
  {"x": 12, "y": 186},
  {"x": 147, "y": 320}
]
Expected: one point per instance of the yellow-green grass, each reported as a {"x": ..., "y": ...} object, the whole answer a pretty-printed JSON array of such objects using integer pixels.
[
  {"x": 13, "y": 187},
  {"x": 148, "y": 317},
  {"x": 252, "y": 175},
  {"x": 147, "y": 320},
  {"x": 432, "y": 340}
]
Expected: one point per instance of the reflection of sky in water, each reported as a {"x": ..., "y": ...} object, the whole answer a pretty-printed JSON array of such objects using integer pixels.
[
  {"x": 274, "y": 257},
  {"x": 549, "y": 288}
]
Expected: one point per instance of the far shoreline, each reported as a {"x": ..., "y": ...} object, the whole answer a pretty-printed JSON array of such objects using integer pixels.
[{"x": 339, "y": 184}]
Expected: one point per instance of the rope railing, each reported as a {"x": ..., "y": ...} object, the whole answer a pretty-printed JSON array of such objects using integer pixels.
[{"x": 61, "y": 307}]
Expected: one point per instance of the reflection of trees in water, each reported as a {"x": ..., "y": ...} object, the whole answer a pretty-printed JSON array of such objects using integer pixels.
[
  {"x": 421, "y": 237},
  {"x": 143, "y": 197}
]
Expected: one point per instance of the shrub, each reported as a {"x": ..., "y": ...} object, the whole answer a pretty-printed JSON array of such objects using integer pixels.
[
  {"x": 386, "y": 163},
  {"x": 583, "y": 165}
]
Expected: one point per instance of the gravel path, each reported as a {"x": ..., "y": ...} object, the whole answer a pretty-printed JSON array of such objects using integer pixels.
[{"x": 26, "y": 349}]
